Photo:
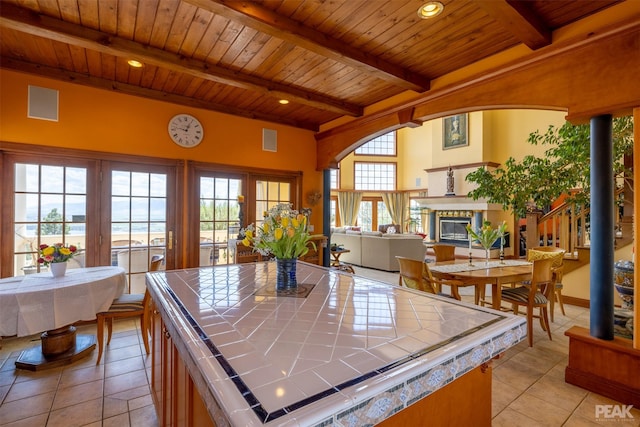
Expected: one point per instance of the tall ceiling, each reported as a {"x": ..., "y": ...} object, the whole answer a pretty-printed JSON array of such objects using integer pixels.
[{"x": 327, "y": 58}]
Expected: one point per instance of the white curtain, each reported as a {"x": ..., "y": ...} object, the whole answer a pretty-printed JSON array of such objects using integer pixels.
[
  {"x": 349, "y": 206},
  {"x": 398, "y": 206}
]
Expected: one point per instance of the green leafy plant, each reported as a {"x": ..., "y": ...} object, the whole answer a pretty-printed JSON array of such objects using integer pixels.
[
  {"x": 487, "y": 235},
  {"x": 564, "y": 169}
]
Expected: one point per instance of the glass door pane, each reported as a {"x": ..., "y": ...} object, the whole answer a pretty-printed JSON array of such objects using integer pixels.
[
  {"x": 269, "y": 194},
  {"x": 50, "y": 206},
  {"x": 219, "y": 218},
  {"x": 138, "y": 222},
  {"x": 365, "y": 215}
]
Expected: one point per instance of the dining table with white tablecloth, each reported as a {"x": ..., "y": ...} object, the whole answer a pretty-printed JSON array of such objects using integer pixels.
[{"x": 39, "y": 302}]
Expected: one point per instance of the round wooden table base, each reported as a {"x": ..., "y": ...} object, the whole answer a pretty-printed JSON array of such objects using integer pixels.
[{"x": 58, "y": 347}]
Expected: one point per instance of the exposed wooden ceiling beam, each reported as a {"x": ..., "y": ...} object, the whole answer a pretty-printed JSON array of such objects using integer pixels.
[
  {"x": 517, "y": 18},
  {"x": 25, "y": 21},
  {"x": 83, "y": 79},
  {"x": 268, "y": 22}
]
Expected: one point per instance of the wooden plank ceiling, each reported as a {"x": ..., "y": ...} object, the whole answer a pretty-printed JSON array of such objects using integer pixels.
[{"x": 328, "y": 58}]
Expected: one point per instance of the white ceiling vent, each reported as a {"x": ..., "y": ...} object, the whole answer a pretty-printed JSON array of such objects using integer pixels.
[
  {"x": 269, "y": 140},
  {"x": 43, "y": 103}
]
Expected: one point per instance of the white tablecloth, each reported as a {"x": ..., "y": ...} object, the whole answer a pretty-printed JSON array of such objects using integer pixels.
[{"x": 36, "y": 303}]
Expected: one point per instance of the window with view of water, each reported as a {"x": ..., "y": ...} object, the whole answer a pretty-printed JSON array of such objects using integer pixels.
[
  {"x": 138, "y": 222},
  {"x": 50, "y": 206}
]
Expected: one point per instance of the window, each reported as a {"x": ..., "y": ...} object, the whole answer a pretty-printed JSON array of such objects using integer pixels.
[
  {"x": 219, "y": 218},
  {"x": 383, "y": 214},
  {"x": 64, "y": 200},
  {"x": 138, "y": 222},
  {"x": 333, "y": 206},
  {"x": 269, "y": 194},
  {"x": 373, "y": 213},
  {"x": 365, "y": 215},
  {"x": 335, "y": 179},
  {"x": 50, "y": 207},
  {"x": 374, "y": 176},
  {"x": 384, "y": 145}
]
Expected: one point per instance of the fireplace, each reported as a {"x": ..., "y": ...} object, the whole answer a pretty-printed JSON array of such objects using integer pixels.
[{"x": 454, "y": 230}]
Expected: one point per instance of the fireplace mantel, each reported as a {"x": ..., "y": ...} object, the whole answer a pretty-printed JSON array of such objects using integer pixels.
[{"x": 456, "y": 203}]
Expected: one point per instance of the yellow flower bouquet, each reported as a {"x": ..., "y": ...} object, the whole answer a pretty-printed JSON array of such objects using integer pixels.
[{"x": 283, "y": 233}]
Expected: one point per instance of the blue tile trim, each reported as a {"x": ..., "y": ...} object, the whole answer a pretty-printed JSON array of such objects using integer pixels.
[{"x": 266, "y": 417}]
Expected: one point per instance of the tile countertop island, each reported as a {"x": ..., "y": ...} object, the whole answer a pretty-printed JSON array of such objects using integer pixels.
[{"x": 340, "y": 350}]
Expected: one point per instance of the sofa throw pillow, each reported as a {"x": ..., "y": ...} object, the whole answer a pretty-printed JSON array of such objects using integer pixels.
[
  {"x": 533, "y": 255},
  {"x": 372, "y": 233}
]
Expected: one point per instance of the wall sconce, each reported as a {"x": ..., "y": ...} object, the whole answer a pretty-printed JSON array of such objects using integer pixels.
[{"x": 313, "y": 197}]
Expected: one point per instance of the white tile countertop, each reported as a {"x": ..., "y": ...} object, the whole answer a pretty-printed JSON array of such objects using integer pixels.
[{"x": 342, "y": 349}]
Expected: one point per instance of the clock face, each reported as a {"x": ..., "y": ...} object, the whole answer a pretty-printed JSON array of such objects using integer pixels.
[{"x": 185, "y": 130}]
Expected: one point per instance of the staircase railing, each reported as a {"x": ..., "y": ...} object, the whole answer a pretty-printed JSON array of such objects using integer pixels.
[{"x": 567, "y": 227}]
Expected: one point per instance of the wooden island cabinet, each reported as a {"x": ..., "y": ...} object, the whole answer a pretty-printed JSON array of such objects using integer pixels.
[
  {"x": 231, "y": 350},
  {"x": 177, "y": 401}
]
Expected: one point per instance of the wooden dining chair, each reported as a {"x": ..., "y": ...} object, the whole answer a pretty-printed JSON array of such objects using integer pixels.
[
  {"x": 415, "y": 274},
  {"x": 557, "y": 267},
  {"x": 246, "y": 254},
  {"x": 444, "y": 252},
  {"x": 128, "y": 305},
  {"x": 533, "y": 295}
]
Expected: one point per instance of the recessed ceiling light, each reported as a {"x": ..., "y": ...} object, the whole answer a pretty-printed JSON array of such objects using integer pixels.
[
  {"x": 134, "y": 63},
  {"x": 284, "y": 101},
  {"x": 430, "y": 10}
]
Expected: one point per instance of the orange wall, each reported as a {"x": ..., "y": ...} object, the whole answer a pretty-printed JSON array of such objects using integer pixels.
[{"x": 102, "y": 120}]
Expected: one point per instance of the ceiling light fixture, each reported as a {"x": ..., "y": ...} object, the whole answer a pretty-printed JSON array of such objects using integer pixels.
[
  {"x": 134, "y": 63},
  {"x": 284, "y": 101},
  {"x": 430, "y": 10}
]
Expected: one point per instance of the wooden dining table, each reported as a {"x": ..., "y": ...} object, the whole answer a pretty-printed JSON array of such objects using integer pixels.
[{"x": 479, "y": 273}]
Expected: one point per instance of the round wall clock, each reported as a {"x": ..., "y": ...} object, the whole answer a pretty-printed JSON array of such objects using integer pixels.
[{"x": 185, "y": 130}]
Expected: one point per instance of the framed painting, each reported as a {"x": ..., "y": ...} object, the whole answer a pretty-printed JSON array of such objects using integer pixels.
[{"x": 455, "y": 131}]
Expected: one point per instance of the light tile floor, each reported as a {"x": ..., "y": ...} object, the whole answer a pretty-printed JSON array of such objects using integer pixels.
[
  {"x": 114, "y": 393},
  {"x": 528, "y": 383}
]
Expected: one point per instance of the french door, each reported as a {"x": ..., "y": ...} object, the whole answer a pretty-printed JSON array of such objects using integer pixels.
[
  {"x": 223, "y": 201},
  {"x": 140, "y": 221},
  {"x": 114, "y": 213},
  {"x": 48, "y": 203}
]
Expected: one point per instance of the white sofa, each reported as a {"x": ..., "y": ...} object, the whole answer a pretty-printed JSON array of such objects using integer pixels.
[{"x": 372, "y": 249}]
